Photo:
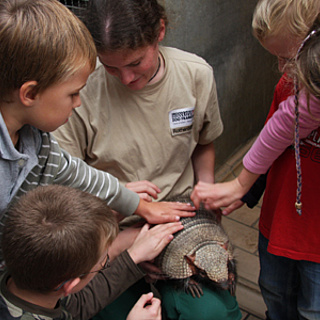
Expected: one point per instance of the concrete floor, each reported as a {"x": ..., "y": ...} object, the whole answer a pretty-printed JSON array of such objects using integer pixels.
[{"x": 242, "y": 228}]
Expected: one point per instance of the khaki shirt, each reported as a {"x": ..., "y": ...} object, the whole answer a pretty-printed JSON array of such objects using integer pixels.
[{"x": 148, "y": 134}]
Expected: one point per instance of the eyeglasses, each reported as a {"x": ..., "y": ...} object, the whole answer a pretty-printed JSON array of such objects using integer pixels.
[{"x": 105, "y": 266}]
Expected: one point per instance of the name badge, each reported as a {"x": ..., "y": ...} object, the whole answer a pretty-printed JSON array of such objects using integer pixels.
[{"x": 181, "y": 120}]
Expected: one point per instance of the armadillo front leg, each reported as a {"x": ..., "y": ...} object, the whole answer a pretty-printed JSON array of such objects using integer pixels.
[{"x": 194, "y": 288}]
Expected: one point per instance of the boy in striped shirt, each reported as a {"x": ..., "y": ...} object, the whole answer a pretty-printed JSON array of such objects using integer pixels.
[{"x": 46, "y": 57}]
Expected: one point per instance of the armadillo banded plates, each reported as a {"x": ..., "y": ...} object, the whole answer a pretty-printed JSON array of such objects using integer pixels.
[{"x": 203, "y": 238}]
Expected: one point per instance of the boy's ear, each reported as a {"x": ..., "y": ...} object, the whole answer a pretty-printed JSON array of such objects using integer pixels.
[
  {"x": 69, "y": 285},
  {"x": 27, "y": 93},
  {"x": 162, "y": 31}
]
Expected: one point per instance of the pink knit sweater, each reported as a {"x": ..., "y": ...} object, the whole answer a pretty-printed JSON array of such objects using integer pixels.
[{"x": 278, "y": 132}]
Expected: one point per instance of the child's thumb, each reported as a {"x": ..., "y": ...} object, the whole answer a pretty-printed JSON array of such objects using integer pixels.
[{"x": 145, "y": 298}]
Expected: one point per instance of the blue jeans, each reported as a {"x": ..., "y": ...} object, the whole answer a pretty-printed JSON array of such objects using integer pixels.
[{"x": 290, "y": 288}]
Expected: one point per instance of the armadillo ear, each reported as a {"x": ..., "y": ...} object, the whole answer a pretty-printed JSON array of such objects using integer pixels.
[
  {"x": 190, "y": 258},
  {"x": 189, "y": 262},
  {"x": 214, "y": 260}
]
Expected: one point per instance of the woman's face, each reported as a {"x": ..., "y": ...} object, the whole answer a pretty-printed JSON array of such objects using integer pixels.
[{"x": 134, "y": 68}]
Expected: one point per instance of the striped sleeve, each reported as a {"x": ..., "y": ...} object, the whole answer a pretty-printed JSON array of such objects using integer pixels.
[
  {"x": 76, "y": 173},
  {"x": 56, "y": 166}
]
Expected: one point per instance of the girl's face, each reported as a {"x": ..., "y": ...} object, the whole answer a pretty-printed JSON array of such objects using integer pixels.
[
  {"x": 134, "y": 68},
  {"x": 284, "y": 48}
]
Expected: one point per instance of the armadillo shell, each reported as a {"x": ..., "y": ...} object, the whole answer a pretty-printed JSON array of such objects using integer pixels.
[{"x": 201, "y": 232}]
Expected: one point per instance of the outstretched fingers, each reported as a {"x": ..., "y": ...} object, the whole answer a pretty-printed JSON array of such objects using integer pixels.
[
  {"x": 163, "y": 212},
  {"x": 173, "y": 211},
  {"x": 151, "y": 241}
]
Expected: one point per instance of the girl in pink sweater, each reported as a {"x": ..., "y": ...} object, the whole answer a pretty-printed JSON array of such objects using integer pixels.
[
  {"x": 279, "y": 132},
  {"x": 289, "y": 236}
]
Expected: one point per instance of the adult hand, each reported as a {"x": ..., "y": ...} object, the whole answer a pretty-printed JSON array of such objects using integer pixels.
[
  {"x": 146, "y": 308},
  {"x": 151, "y": 241},
  {"x": 162, "y": 212},
  {"x": 145, "y": 189}
]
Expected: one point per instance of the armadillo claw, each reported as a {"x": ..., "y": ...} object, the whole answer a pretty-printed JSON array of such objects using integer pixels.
[{"x": 194, "y": 289}]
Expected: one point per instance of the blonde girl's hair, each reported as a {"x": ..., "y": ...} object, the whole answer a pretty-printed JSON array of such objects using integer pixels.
[
  {"x": 293, "y": 17},
  {"x": 41, "y": 40}
]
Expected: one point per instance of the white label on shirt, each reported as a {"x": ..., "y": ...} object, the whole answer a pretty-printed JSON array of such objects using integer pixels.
[{"x": 181, "y": 120}]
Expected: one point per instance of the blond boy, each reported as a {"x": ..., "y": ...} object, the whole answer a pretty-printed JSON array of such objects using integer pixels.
[{"x": 46, "y": 57}]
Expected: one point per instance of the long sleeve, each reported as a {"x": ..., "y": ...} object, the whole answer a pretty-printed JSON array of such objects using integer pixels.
[
  {"x": 76, "y": 173},
  {"x": 278, "y": 132},
  {"x": 56, "y": 166},
  {"x": 104, "y": 288}
]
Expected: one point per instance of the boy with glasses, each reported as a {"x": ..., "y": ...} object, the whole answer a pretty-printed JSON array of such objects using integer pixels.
[{"x": 56, "y": 243}]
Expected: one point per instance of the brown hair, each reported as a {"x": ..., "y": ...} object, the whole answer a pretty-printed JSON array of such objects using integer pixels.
[
  {"x": 124, "y": 24},
  {"x": 55, "y": 233},
  {"x": 41, "y": 40}
]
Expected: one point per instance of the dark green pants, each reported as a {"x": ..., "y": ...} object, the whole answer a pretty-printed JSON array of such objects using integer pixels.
[{"x": 177, "y": 305}]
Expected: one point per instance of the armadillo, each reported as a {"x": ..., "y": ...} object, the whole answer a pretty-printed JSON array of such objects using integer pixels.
[{"x": 201, "y": 250}]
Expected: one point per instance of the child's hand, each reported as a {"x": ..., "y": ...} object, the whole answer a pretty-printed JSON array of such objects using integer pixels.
[
  {"x": 224, "y": 194},
  {"x": 162, "y": 212},
  {"x": 145, "y": 189},
  {"x": 146, "y": 308},
  {"x": 233, "y": 206},
  {"x": 214, "y": 196},
  {"x": 151, "y": 241}
]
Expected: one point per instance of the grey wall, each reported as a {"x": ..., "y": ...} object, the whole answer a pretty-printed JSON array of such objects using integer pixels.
[{"x": 220, "y": 32}]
